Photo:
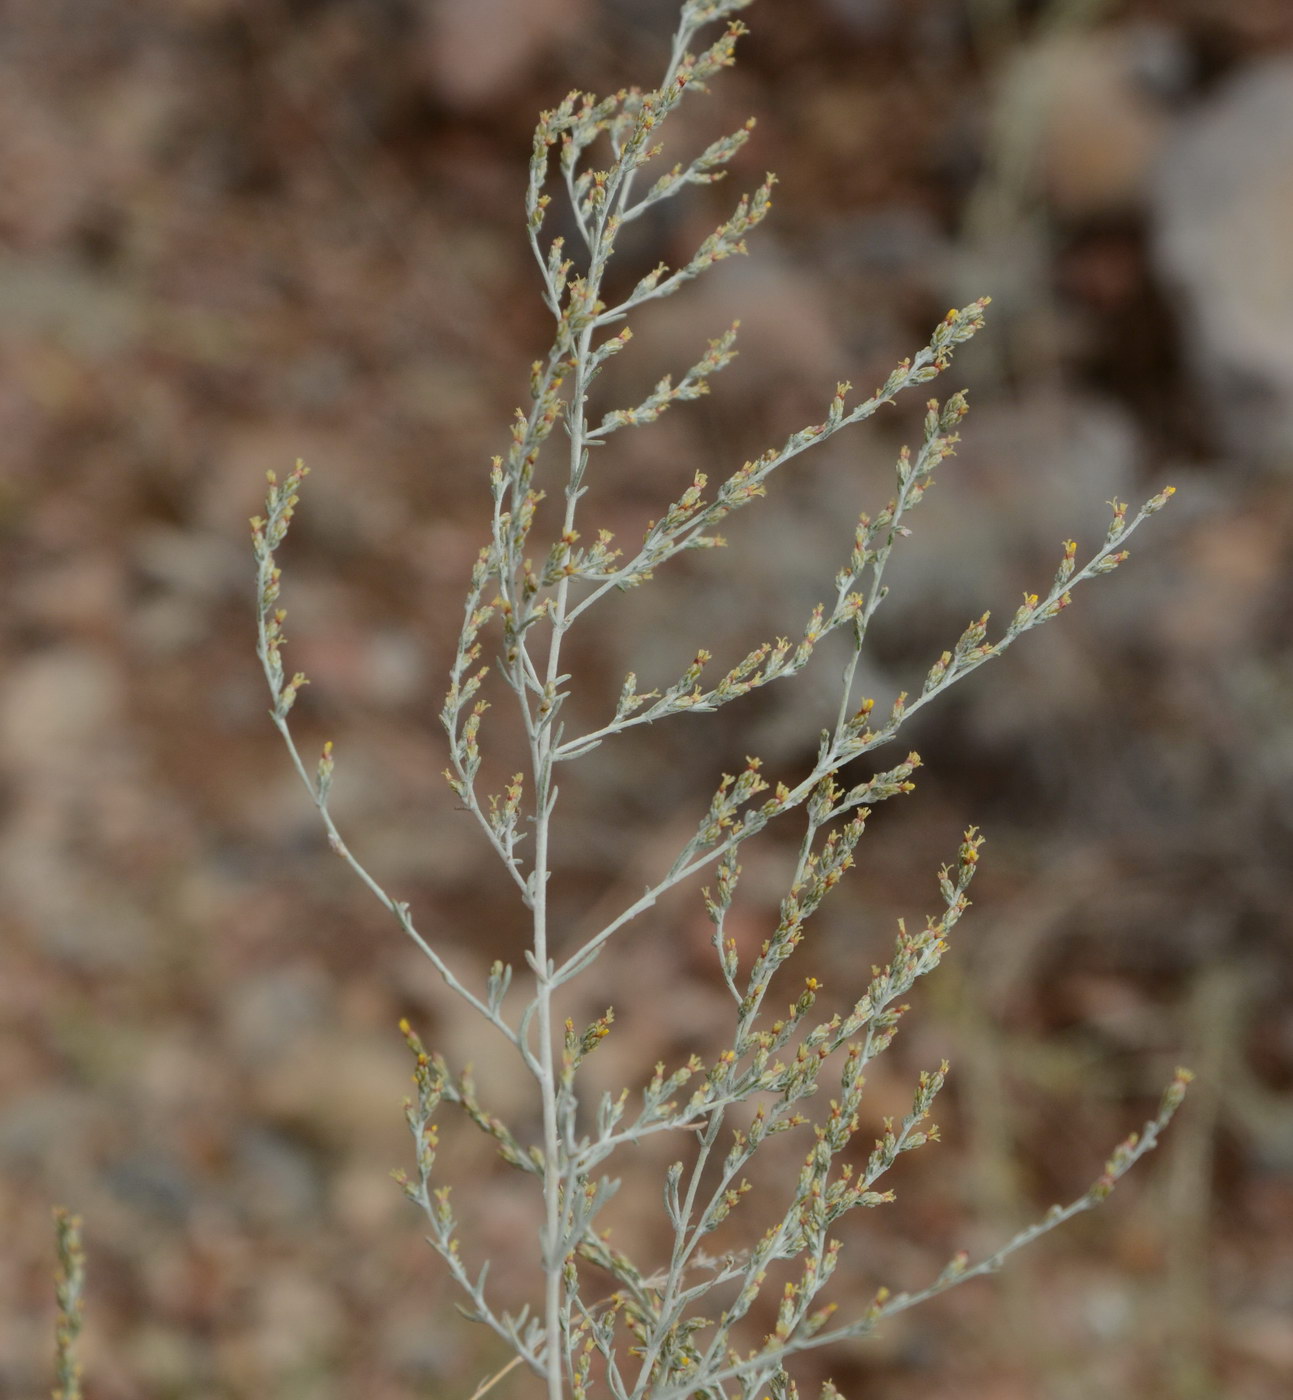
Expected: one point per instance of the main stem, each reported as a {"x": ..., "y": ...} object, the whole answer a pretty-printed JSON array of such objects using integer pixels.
[
  {"x": 554, "y": 1172},
  {"x": 543, "y": 753},
  {"x": 552, "y": 1169}
]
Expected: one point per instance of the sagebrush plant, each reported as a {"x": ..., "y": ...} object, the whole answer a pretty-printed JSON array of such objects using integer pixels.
[
  {"x": 681, "y": 1324},
  {"x": 69, "y": 1289}
]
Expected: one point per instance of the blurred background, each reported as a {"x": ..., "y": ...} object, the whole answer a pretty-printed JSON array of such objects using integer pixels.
[{"x": 238, "y": 232}]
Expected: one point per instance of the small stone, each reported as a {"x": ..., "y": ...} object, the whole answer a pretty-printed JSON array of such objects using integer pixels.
[
  {"x": 55, "y": 704},
  {"x": 1222, "y": 205}
]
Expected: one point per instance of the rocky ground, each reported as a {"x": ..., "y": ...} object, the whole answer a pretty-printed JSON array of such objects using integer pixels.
[{"x": 238, "y": 232}]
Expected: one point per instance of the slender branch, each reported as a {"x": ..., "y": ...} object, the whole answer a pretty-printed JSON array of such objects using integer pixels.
[
  {"x": 960, "y": 1271},
  {"x": 69, "y": 1290}
]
